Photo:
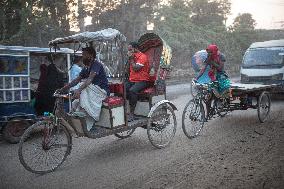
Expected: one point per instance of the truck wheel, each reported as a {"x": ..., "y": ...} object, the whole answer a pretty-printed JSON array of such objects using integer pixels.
[{"x": 14, "y": 129}]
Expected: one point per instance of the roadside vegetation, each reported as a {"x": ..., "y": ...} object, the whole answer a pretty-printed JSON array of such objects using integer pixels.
[{"x": 187, "y": 25}]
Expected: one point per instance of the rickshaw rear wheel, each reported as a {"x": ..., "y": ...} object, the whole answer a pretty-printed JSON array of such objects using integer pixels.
[
  {"x": 193, "y": 118},
  {"x": 161, "y": 127},
  {"x": 263, "y": 106},
  {"x": 44, "y": 147},
  {"x": 14, "y": 129},
  {"x": 124, "y": 134}
]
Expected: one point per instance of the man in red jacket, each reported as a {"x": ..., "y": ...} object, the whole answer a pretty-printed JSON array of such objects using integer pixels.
[{"x": 139, "y": 75}]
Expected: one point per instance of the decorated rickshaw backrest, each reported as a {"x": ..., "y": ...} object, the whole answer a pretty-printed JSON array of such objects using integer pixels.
[{"x": 159, "y": 55}]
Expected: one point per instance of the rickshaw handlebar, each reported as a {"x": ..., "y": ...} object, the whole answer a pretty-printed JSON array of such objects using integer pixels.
[
  {"x": 201, "y": 85},
  {"x": 58, "y": 95}
]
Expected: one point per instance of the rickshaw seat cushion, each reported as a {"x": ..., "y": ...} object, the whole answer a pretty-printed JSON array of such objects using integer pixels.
[
  {"x": 113, "y": 101},
  {"x": 116, "y": 88},
  {"x": 152, "y": 79},
  {"x": 148, "y": 91}
]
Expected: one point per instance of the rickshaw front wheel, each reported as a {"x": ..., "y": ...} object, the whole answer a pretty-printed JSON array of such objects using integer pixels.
[
  {"x": 44, "y": 147},
  {"x": 193, "y": 118},
  {"x": 14, "y": 129}
]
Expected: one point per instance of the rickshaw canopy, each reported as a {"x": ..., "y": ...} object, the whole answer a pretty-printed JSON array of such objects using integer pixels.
[
  {"x": 109, "y": 44},
  {"x": 108, "y": 34}
]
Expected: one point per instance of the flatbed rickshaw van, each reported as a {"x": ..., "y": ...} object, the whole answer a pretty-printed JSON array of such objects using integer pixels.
[
  {"x": 19, "y": 77},
  {"x": 263, "y": 63}
]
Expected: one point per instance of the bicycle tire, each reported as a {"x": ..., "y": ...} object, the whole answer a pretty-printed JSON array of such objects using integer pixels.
[
  {"x": 47, "y": 143},
  {"x": 196, "y": 118}
]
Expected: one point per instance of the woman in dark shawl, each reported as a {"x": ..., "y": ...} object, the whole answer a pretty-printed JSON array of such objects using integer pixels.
[
  {"x": 40, "y": 103},
  {"x": 54, "y": 81}
]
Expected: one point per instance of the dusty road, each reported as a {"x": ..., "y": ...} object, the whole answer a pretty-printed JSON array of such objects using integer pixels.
[{"x": 232, "y": 152}]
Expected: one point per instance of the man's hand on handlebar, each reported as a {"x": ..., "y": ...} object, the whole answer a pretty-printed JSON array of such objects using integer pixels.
[
  {"x": 76, "y": 94},
  {"x": 59, "y": 91}
]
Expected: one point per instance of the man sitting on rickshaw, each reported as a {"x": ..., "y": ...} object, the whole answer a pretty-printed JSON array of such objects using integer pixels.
[
  {"x": 139, "y": 76},
  {"x": 92, "y": 91}
]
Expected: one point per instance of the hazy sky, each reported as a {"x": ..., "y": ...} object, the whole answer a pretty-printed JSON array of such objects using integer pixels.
[{"x": 266, "y": 12}]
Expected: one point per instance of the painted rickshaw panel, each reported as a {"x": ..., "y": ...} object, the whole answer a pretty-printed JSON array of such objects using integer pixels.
[{"x": 19, "y": 73}]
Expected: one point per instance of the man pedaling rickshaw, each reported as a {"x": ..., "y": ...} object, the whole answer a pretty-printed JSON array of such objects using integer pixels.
[
  {"x": 91, "y": 91},
  {"x": 213, "y": 71}
]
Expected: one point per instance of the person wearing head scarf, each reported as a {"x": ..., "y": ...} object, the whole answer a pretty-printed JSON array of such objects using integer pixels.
[
  {"x": 216, "y": 73},
  {"x": 214, "y": 70},
  {"x": 213, "y": 59}
]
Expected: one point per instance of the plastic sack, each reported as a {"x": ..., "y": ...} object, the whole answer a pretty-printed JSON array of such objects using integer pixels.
[{"x": 198, "y": 60}]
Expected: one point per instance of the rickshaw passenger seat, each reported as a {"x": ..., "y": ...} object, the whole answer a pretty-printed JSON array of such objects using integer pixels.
[
  {"x": 113, "y": 101},
  {"x": 149, "y": 91},
  {"x": 116, "y": 88},
  {"x": 154, "y": 55}
]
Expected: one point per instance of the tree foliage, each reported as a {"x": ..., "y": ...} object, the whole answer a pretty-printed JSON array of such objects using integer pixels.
[
  {"x": 32, "y": 22},
  {"x": 244, "y": 22},
  {"x": 129, "y": 16},
  {"x": 243, "y": 30},
  {"x": 208, "y": 13},
  {"x": 187, "y": 25}
]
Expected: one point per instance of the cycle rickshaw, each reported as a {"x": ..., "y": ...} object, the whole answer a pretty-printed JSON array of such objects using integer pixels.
[
  {"x": 50, "y": 140},
  {"x": 207, "y": 104}
]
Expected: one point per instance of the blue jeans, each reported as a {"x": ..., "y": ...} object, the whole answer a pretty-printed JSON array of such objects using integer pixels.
[{"x": 132, "y": 90}]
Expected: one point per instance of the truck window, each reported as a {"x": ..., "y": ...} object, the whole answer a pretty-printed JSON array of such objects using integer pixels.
[{"x": 259, "y": 57}]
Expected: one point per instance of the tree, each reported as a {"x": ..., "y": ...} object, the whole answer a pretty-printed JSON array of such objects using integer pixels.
[
  {"x": 81, "y": 15},
  {"x": 128, "y": 16},
  {"x": 10, "y": 16},
  {"x": 243, "y": 30},
  {"x": 210, "y": 14},
  {"x": 244, "y": 22},
  {"x": 34, "y": 22}
]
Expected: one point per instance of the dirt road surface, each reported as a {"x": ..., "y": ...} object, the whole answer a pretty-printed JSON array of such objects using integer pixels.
[{"x": 232, "y": 152}]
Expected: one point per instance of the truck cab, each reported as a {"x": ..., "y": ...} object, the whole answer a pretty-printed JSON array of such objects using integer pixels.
[{"x": 263, "y": 63}]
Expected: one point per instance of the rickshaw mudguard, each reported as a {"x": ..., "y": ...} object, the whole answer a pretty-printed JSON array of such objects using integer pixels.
[{"x": 160, "y": 103}]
